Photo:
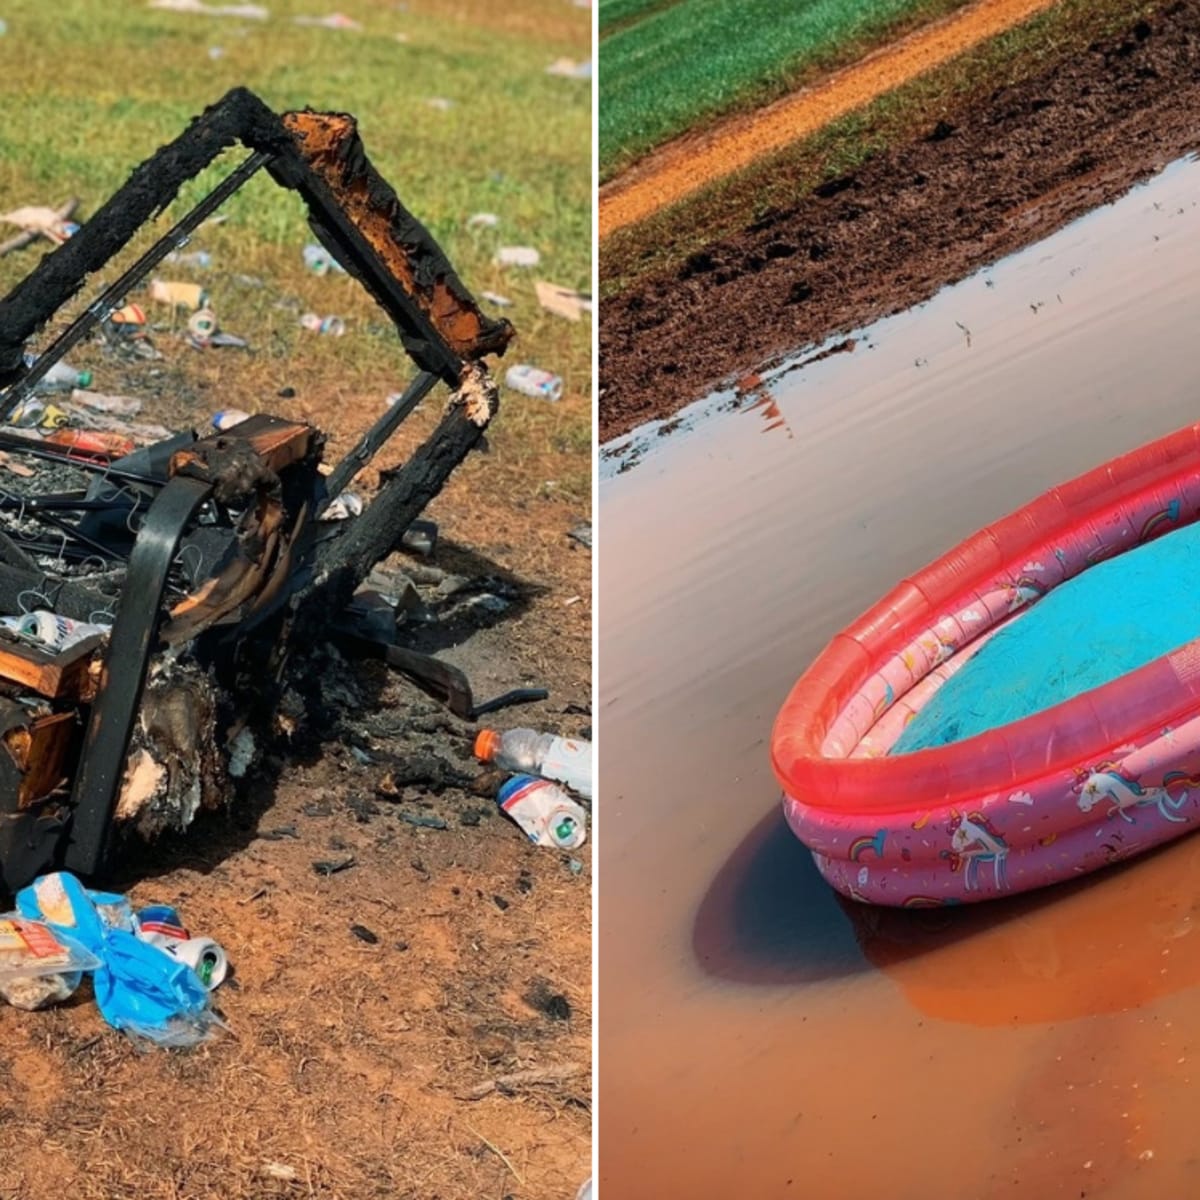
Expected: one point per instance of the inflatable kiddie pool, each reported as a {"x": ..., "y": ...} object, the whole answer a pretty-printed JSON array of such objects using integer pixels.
[{"x": 1105, "y": 774}]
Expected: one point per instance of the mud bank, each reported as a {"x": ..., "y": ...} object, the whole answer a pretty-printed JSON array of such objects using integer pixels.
[{"x": 997, "y": 175}]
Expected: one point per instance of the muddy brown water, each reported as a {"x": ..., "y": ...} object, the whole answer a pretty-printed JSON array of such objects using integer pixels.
[{"x": 760, "y": 1037}]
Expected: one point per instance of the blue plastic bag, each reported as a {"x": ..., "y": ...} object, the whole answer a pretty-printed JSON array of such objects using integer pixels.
[{"x": 139, "y": 988}]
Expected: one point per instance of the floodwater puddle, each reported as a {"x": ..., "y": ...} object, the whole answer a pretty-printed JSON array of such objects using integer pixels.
[{"x": 763, "y": 1037}]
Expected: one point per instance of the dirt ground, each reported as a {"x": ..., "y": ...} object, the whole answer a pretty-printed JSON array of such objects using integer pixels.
[
  {"x": 369, "y": 1005},
  {"x": 999, "y": 172}
]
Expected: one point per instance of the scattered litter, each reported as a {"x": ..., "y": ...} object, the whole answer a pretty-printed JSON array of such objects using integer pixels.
[
  {"x": 57, "y": 233},
  {"x": 544, "y": 811},
  {"x": 131, "y": 315},
  {"x": 203, "y": 332},
  {"x": 575, "y": 866},
  {"x": 40, "y": 221},
  {"x": 532, "y": 381},
  {"x": 562, "y": 301},
  {"x": 347, "y": 505},
  {"x": 333, "y": 326},
  {"x": 36, "y": 413},
  {"x": 568, "y": 68},
  {"x": 517, "y": 256},
  {"x": 423, "y": 820},
  {"x": 319, "y": 261},
  {"x": 440, "y": 103},
  {"x": 227, "y": 418},
  {"x": 118, "y": 406},
  {"x": 496, "y": 299},
  {"x": 149, "y": 991},
  {"x": 252, "y": 12},
  {"x": 61, "y": 377},
  {"x": 365, "y": 935},
  {"x": 280, "y": 1171},
  {"x": 582, "y": 533},
  {"x": 585, "y": 1192},
  {"x": 565, "y": 760},
  {"x": 16, "y": 467},
  {"x": 161, "y": 926},
  {"x": 215, "y": 52},
  {"x": 571, "y": 600},
  {"x": 333, "y": 866},
  {"x": 38, "y": 965},
  {"x": 93, "y": 443},
  {"x": 333, "y": 21},
  {"x": 201, "y": 259},
  {"x": 483, "y": 221},
  {"x": 179, "y": 295},
  {"x": 50, "y": 631},
  {"x": 420, "y": 538}
]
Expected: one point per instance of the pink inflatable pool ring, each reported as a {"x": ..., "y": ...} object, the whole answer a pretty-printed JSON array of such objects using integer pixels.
[{"x": 1105, "y": 775}]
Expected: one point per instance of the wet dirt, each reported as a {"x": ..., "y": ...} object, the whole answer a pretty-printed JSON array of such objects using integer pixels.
[
  {"x": 1000, "y": 173},
  {"x": 693, "y": 161},
  {"x": 761, "y": 1036}
]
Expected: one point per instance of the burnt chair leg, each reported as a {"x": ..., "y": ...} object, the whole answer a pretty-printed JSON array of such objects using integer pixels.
[{"x": 134, "y": 637}]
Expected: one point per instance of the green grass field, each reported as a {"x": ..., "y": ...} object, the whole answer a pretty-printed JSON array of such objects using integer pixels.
[
  {"x": 662, "y": 242},
  {"x": 667, "y": 66},
  {"x": 91, "y": 90}
]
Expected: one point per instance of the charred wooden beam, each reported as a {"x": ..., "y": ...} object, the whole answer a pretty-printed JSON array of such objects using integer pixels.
[{"x": 356, "y": 215}]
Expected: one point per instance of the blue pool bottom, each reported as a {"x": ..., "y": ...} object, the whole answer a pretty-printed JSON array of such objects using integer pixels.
[{"x": 1109, "y": 620}]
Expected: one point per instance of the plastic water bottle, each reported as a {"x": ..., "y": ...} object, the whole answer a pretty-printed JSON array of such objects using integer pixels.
[
  {"x": 547, "y": 814},
  {"x": 60, "y": 377},
  {"x": 544, "y": 754},
  {"x": 533, "y": 381}
]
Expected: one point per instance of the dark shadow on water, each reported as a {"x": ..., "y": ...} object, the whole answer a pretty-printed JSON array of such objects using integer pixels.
[{"x": 769, "y": 918}]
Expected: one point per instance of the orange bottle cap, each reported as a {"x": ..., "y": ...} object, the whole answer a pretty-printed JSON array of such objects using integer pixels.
[{"x": 486, "y": 744}]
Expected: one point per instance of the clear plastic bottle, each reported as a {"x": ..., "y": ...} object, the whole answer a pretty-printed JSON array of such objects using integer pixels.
[
  {"x": 60, "y": 377},
  {"x": 565, "y": 759}
]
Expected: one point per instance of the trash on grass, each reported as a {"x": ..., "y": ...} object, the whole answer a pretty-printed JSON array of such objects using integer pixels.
[
  {"x": 178, "y": 295},
  {"x": 562, "y": 301},
  {"x": 61, "y": 377},
  {"x": 440, "y": 103},
  {"x": 483, "y": 221},
  {"x": 568, "y": 68},
  {"x": 191, "y": 258},
  {"x": 517, "y": 256},
  {"x": 203, "y": 332},
  {"x": 251, "y": 12},
  {"x": 496, "y": 299},
  {"x": 544, "y": 811},
  {"x": 533, "y": 381},
  {"x": 335, "y": 20},
  {"x": 38, "y": 219},
  {"x": 118, "y": 406},
  {"x": 319, "y": 261},
  {"x": 333, "y": 326}
]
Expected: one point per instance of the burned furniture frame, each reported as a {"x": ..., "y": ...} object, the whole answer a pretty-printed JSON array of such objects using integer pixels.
[{"x": 273, "y": 568}]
